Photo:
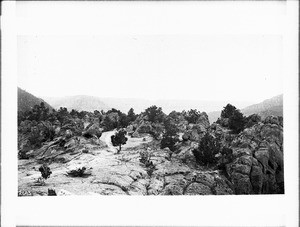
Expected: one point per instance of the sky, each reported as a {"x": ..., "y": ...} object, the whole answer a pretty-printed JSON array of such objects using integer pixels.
[
  {"x": 203, "y": 66},
  {"x": 152, "y": 67}
]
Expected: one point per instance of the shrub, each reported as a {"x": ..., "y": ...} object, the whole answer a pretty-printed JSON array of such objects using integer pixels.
[
  {"x": 131, "y": 115},
  {"x": 51, "y": 192},
  {"x": 23, "y": 154},
  {"x": 236, "y": 122},
  {"x": 34, "y": 137},
  {"x": 79, "y": 172},
  {"x": 146, "y": 160},
  {"x": 170, "y": 137},
  {"x": 45, "y": 171},
  {"x": 192, "y": 116},
  {"x": 145, "y": 157},
  {"x": 108, "y": 123},
  {"x": 228, "y": 111},
  {"x": 123, "y": 121},
  {"x": 115, "y": 119},
  {"x": 207, "y": 150},
  {"x": 47, "y": 131},
  {"x": 154, "y": 114},
  {"x": 232, "y": 118},
  {"x": 119, "y": 139}
]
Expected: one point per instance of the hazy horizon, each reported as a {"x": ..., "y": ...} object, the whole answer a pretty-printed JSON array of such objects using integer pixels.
[
  {"x": 179, "y": 67},
  {"x": 140, "y": 104}
]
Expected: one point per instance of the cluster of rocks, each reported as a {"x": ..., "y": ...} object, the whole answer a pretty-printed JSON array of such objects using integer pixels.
[
  {"x": 256, "y": 165},
  {"x": 188, "y": 131},
  {"x": 73, "y": 137}
]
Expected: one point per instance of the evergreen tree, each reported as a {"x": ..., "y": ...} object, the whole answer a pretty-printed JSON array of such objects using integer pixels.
[
  {"x": 192, "y": 116},
  {"x": 170, "y": 137},
  {"x": 207, "y": 150},
  {"x": 119, "y": 139},
  {"x": 131, "y": 115},
  {"x": 228, "y": 111},
  {"x": 236, "y": 122},
  {"x": 154, "y": 114}
]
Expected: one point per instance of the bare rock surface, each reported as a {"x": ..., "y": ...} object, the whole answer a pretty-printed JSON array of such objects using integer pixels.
[{"x": 120, "y": 174}]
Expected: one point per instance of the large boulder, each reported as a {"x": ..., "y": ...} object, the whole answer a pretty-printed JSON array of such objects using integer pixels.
[
  {"x": 274, "y": 120},
  {"x": 203, "y": 120},
  {"x": 194, "y": 132},
  {"x": 93, "y": 130}
]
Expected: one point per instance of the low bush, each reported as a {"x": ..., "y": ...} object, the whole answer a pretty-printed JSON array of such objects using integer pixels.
[
  {"x": 79, "y": 172},
  {"x": 207, "y": 150},
  {"x": 45, "y": 171}
]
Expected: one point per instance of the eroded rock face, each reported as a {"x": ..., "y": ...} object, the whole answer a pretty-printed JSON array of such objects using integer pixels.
[
  {"x": 93, "y": 130},
  {"x": 257, "y": 166},
  {"x": 203, "y": 120}
]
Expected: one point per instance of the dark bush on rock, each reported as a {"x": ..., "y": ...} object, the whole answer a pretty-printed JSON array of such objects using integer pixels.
[
  {"x": 192, "y": 116},
  {"x": 131, "y": 115},
  {"x": 45, "y": 171},
  {"x": 170, "y": 137},
  {"x": 207, "y": 150},
  {"x": 232, "y": 118},
  {"x": 34, "y": 137},
  {"x": 154, "y": 114},
  {"x": 79, "y": 172},
  {"x": 228, "y": 111},
  {"x": 145, "y": 158},
  {"x": 51, "y": 192},
  {"x": 116, "y": 119},
  {"x": 236, "y": 122},
  {"x": 108, "y": 123},
  {"x": 23, "y": 154}
]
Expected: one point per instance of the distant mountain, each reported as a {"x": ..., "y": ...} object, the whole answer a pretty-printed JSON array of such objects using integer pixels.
[
  {"x": 272, "y": 106},
  {"x": 91, "y": 103},
  {"x": 26, "y": 101},
  {"x": 167, "y": 105},
  {"x": 78, "y": 102}
]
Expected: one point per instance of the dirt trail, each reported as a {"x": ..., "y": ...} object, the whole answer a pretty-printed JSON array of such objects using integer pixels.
[{"x": 106, "y": 138}]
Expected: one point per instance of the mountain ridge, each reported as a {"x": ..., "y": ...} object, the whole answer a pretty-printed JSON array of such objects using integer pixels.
[
  {"x": 139, "y": 104},
  {"x": 271, "y": 106},
  {"x": 26, "y": 101}
]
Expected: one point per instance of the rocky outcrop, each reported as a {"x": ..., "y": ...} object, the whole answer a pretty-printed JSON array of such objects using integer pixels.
[
  {"x": 146, "y": 127},
  {"x": 250, "y": 162},
  {"x": 92, "y": 130},
  {"x": 257, "y": 161},
  {"x": 126, "y": 174}
]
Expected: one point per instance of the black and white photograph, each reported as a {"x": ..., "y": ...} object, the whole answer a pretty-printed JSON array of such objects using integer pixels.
[
  {"x": 150, "y": 115},
  {"x": 126, "y": 101}
]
